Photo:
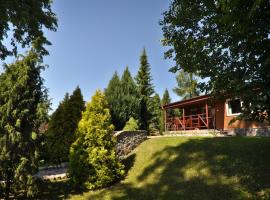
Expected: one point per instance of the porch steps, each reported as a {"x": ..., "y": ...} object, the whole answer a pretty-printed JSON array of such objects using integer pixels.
[{"x": 198, "y": 133}]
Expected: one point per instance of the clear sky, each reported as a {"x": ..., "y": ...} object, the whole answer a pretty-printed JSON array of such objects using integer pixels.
[{"x": 95, "y": 38}]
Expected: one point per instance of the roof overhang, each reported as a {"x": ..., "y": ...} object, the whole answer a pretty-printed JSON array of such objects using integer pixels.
[{"x": 188, "y": 102}]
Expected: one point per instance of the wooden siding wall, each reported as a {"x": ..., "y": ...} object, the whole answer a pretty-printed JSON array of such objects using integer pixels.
[
  {"x": 240, "y": 123},
  {"x": 219, "y": 107}
]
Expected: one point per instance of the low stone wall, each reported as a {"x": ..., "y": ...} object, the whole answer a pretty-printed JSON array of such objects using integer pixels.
[
  {"x": 250, "y": 131},
  {"x": 127, "y": 141}
]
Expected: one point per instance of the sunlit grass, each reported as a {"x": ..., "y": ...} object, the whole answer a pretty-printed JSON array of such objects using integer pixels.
[{"x": 194, "y": 168}]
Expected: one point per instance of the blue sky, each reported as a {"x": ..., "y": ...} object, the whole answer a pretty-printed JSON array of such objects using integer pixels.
[{"x": 97, "y": 37}]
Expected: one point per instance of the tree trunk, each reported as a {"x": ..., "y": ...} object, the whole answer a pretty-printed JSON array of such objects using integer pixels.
[{"x": 8, "y": 184}]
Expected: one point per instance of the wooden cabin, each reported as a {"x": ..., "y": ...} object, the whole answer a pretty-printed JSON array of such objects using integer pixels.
[{"x": 203, "y": 112}]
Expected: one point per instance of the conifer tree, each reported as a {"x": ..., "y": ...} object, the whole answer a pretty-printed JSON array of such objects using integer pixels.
[
  {"x": 93, "y": 160},
  {"x": 165, "y": 100},
  {"x": 146, "y": 91},
  {"x": 23, "y": 107},
  {"x": 130, "y": 98},
  {"x": 62, "y": 127},
  {"x": 114, "y": 95},
  {"x": 187, "y": 85},
  {"x": 156, "y": 113},
  {"x": 131, "y": 125}
]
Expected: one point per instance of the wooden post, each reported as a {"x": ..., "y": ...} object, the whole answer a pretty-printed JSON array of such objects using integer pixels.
[
  {"x": 206, "y": 112},
  {"x": 165, "y": 120},
  {"x": 184, "y": 120}
]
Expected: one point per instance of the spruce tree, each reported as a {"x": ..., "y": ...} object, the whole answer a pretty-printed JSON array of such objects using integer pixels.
[
  {"x": 130, "y": 98},
  {"x": 62, "y": 127},
  {"x": 146, "y": 90},
  {"x": 155, "y": 125},
  {"x": 93, "y": 160},
  {"x": 165, "y": 100},
  {"x": 23, "y": 107},
  {"x": 114, "y": 95}
]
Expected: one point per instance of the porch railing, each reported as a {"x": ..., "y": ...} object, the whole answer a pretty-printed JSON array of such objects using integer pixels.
[{"x": 189, "y": 122}]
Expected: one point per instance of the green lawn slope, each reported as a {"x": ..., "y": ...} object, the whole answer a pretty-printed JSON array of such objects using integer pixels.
[{"x": 176, "y": 168}]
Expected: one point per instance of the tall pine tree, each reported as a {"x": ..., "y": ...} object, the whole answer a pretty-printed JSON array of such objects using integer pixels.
[
  {"x": 23, "y": 106},
  {"x": 62, "y": 126},
  {"x": 146, "y": 90},
  {"x": 165, "y": 100},
  {"x": 93, "y": 160},
  {"x": 114, "y": 95}
]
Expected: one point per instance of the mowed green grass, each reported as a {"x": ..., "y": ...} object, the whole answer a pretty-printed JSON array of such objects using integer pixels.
[{"x": 177, "y": 168}]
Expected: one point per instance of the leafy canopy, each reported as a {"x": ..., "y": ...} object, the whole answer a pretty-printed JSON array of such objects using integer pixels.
[
  {"x": 25, "y": 21},
  {"x": 227, "y": 42}
]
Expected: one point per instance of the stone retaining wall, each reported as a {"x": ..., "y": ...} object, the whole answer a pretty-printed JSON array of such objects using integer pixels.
[
  {"x": 250, "y": 131},
  {"x": 127, "y": 141}
]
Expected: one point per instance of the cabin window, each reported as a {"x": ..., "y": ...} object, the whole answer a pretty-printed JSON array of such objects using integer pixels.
[{"x": 234, "y": 107}]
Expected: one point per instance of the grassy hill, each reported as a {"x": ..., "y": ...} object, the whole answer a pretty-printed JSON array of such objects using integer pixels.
[{"x": 194, "y": 168}]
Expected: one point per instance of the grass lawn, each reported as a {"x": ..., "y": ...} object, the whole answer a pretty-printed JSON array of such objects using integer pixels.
[{"x": 176, "y": 168}]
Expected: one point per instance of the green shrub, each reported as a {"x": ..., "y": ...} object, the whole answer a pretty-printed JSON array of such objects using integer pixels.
[
  {"x": 131, "y": 125},
  {"x": 93, "y": 160}
]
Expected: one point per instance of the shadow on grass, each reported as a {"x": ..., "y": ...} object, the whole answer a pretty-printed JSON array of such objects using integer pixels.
[
  {"x": 62, "y": 189},
  {"x": 205, "y": 168},
  {"x": 129, "y": 162}
]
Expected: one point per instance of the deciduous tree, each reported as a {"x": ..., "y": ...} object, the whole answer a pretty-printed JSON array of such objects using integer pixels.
[
  {"x": 24, "y": 21},
  {"x": 227, "y": 42}
]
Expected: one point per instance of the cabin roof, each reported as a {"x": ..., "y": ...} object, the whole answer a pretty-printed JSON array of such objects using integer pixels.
[{"x": 191, "y": 101}]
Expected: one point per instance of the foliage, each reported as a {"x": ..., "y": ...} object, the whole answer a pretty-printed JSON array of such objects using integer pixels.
[
  {"x": 165, "y": 100},
  {"x": 130, "y": 99},
  {"x": 131, "y": 125},
  {"x": 231, "y": 48},
  {"x": 23, "y": 107},
  {"x": 93, "y": 161},
  {"x": 146, "y": 90},
  {"x": 122, "y": 97},
  {"x": 62, "y": 126},
  {"x": 155, "y": 122},
  {"x": 25, "y": 22},
  {"x": 209, "y": 168},
  {"x": 114, "y": 95},
  {"x": 166, "y": 97},
  {"x": 187, "y": 85}
]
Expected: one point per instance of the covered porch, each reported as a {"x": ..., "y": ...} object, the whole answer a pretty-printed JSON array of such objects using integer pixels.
[{"x": 190, "y": 114}]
